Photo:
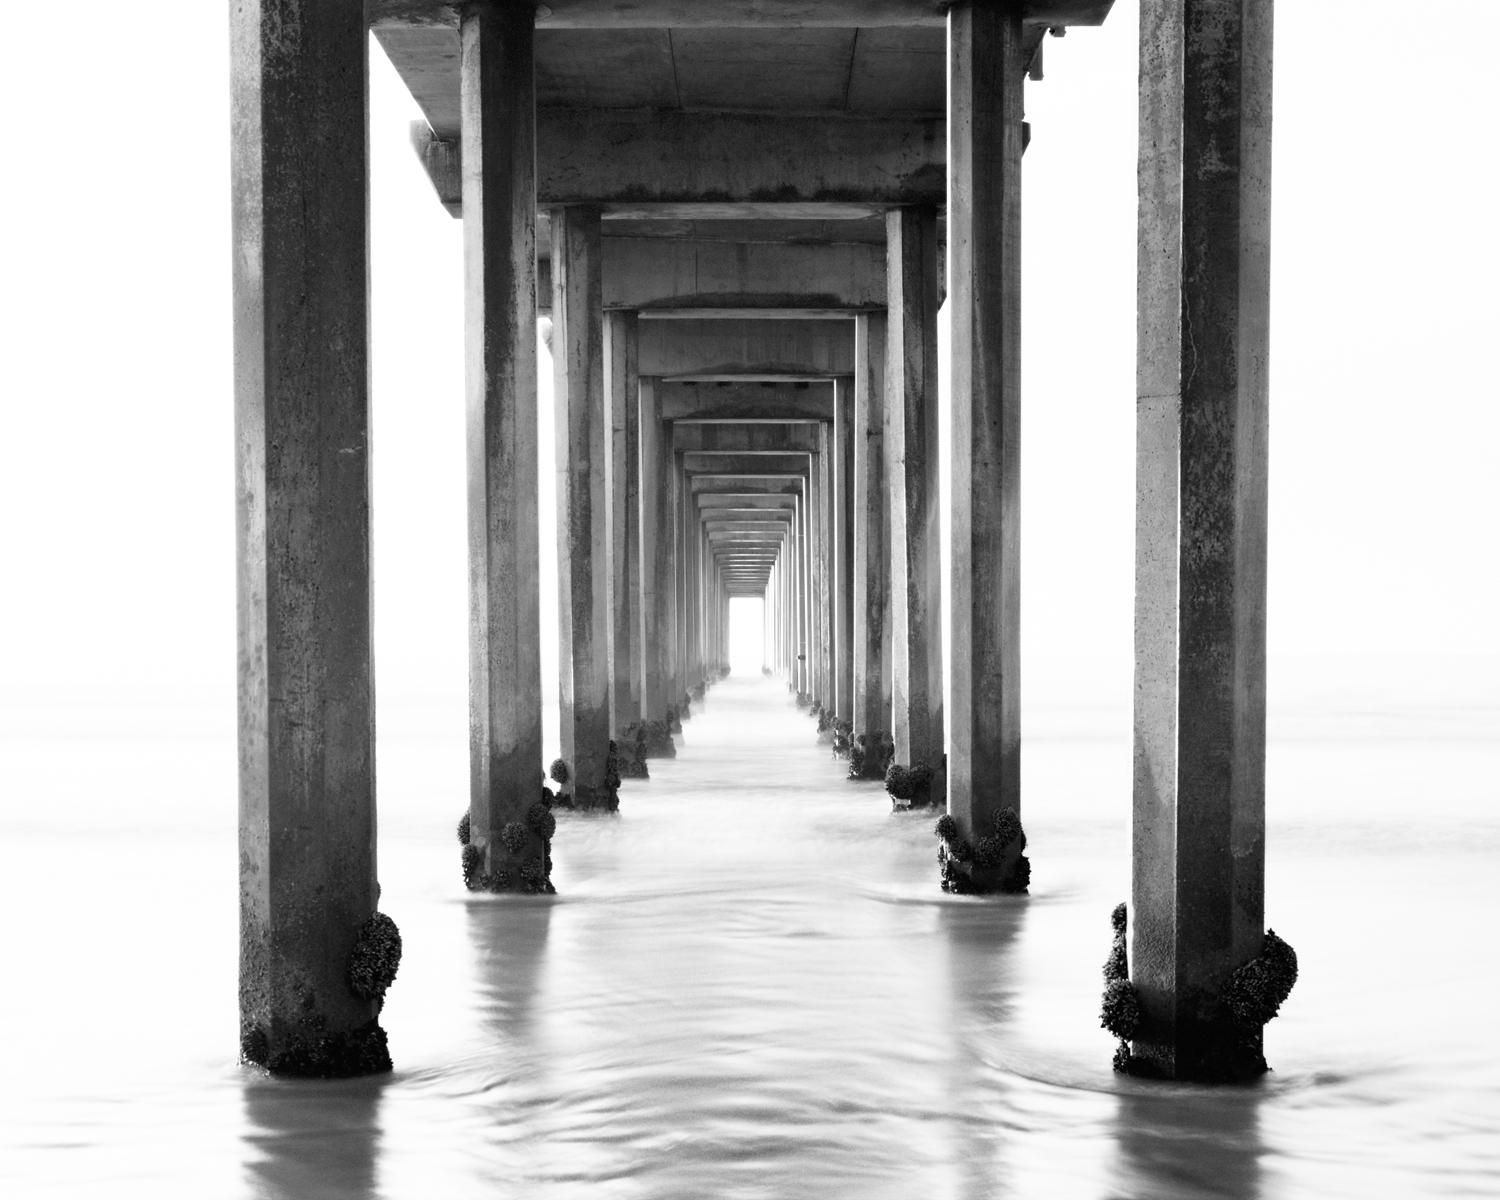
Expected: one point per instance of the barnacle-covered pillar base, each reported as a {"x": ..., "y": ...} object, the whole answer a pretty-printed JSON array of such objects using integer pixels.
[
  {"x": 518, "y": 858},
  {"x": 993, "y": 861}
]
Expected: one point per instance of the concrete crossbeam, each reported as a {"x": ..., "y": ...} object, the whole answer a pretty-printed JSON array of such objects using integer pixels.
[
  {"x": 799, "y": 437},
  {"x": 747, "y": 401},
  {"x": 709, "y": 349},
  {"x": 739, "y": 14}
]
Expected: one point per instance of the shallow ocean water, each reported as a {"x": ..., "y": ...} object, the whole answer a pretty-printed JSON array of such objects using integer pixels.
[{"x": 750, "y": 985}]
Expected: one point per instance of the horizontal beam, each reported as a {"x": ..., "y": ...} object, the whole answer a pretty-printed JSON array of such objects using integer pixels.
[
  {"x": 768, "y": 532},
  {"x": 712, "y": 503},
  {"x": 691, "y": 279},
  {"x": 816, "y": 350},
  {"x": 742, "y": 482},
  {"x": 662, "y": 164},
  {"x": 771, "y": 464},
  {"x": 780, "y": 438},
  {"x": 737, "y": 14},
  {"x": 728, "y": 401},
  {"x": 633, "y": 157}
]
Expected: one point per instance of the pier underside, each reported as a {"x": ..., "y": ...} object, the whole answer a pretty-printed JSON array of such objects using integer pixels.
[{"x": 738, "y": 220}]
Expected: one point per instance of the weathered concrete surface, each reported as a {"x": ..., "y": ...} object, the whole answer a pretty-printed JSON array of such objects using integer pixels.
[
  {"x": 911, "y": 443},
  {"x": 791, "y": 437},
  {"x": 1200, "y": 617},
  {"x": 738, "y": 14},
  {"x": 841, "y": 461},
  {"x": 709, "y": 348},
  {"x": 652, "y": 273},
  {"x": 745, "y": 462},
  {"x": 987, "y": 74},
  {"x": 302, "y": 464},
  {"x": 864, "y": 57},
  {"x": 669, "y": 278},
  {"x": 505, "y": 697},
  {"x": 871, "y": 568},
  {"x": 622, "y": 491},
  {"x": 748, "y": 401},
  {"x": 583, "y": 441},
  {"x": 658, "y": 561}
]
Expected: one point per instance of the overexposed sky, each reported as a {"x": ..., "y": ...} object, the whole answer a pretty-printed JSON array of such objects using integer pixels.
[{"x": 116, "y": 483}]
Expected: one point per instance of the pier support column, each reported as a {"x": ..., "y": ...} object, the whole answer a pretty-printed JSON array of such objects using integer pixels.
[
  {"x": 986, "y": 74},
  {"x": 505, "y": 674},
  {"x": 871, "y": 568},
  {"x": 912, "y": 472},
  {"x": 622, "y": 387},
  {"x": 843, "y": 546},
  {"x": 1200, "y": 612},
  {"x": 583, "y": 445},
  {"x": 302, "y": 466},
  {"x": 819, "y": 650},
  {"x": 657, "y": 536}
]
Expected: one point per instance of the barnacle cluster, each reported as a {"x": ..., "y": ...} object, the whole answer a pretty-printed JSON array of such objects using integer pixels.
[
  {"x": 375, "y": 958},
  {"x": 633, "y": 748},
  {"x": 870, "y": 755},
  {"x": 843, "y": 734},
  {"x": 515, "y": 840},
  {"x": 992, "y": 862},
  {"x": 1120, "y": 1009},
  {"x": 908, "y": 786}
]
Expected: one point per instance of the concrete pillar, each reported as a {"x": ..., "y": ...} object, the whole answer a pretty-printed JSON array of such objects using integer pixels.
[
  {"x": 1200, "y": 614},
  {"x": 622, "y": 492},
  {"x": 583, "y": 444},
  {"x": 871, "y": 646},
  {"x": 843, "y": 546},
  {"x": 302, "y": 465},
  {"x": 911, "y": 443},
  {"x": 800, "y": 601},
  {"x": 986, "y": 74},
  {"x": 819, "y": 556},
  {"x": 679, "y": 580},
  {"x": 657, "y": 650},
  {"x": 505, "y": 686}
]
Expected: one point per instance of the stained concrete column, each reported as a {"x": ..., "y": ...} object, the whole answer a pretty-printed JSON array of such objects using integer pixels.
[
  {"x": 582, "y": 441},
  {"x": 657, "y": 655},
  {"x": 302, "y": 465},
  {"x": 801, "y": 598},
  {"x": 911, "y": 443},
  {"x": 1200, "y": 612},
  {"x": 819, "y": 557},
  {"x": 843, "y": 546},
  {"x": 622, "y": 492},
  {"x": 871, "y": 567},
  {"x": 498, "y": 180},
  {"x": 679, "y": 580},
  {"x": 986, "y": 75}
]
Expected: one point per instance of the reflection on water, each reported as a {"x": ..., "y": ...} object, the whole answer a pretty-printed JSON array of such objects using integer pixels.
[
  {"x": 750, "y": 985},
  {"x": 312, "y": 1140},
  {"x": 1189, "y": 1143}
]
